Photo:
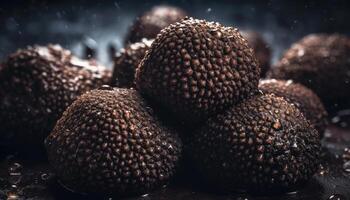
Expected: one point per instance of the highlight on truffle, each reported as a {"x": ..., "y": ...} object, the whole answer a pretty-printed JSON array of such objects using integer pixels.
[
  {"x": 321, "y": 63},
  {"x": 303, "y": 98},
  {"x": 109, "y": 142},
  {"x": 261, "y": 49},
  {"x": 37, "y": 84},
  {"x": 264, "y": 144},
  {"x": 196, "y": 68},
  {"x": 149, "y": 24},
  {"x": 126, "y": 61}
]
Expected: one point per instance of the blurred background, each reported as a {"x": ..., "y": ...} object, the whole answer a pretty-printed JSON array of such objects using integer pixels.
[{"x": 102, "y": 24}]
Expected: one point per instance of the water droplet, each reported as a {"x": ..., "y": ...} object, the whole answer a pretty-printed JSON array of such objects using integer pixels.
[
  {"x": 323, "y": 170},
  {"x": 45, "y": 177},
  {"x": 346, "y": 155},
  {"x": 346, "y": 166},
  {"x": 12, "y": 196},
  {"x": 106, "y": 87},
  {"x": 144, "y": 195},
  {"x": 216, "y": 33},
  {"x": 336, "y": 197},
  {"x": 15, "y": 169},
  {"x": 209, "y": 10},
  {"x": 292, "y": 193}
]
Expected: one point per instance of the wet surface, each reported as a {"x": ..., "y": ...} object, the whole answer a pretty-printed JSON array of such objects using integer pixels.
[{"x": 28, "y": 178}]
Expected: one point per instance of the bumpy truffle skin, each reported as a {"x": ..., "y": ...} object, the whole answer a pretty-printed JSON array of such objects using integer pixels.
[
  {"x": 261, "y": 49},
  {"x": 263, "y": 144},
  {"x": 108, "y": 142},
  {"x": 37, "y": 84},
  {"x": 196, "y": 68},
  {"x": 321, "y": 63},
  {"x": 149, "y": 24},
  {"x": 126, "y": 62},
  {"x": 303, "y": 98}
]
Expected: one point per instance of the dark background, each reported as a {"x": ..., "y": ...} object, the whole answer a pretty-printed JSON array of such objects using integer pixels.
[{"x": 70, "y": 23}]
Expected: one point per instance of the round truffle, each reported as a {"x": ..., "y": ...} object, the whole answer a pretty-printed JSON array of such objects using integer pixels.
[
  {"x": 196, "y": 68},
  {"x": 320, "y": 62},
  {"x": 149, "y": 24},
  {"x": 261, "y": 49},
  {"x": 37, "y": 84},
  {"x": 303, "y": 98},
  {"x": 109, "y": 142},
  {"x": 126, "y": 62},
  {"x": 263, "y": 144}
]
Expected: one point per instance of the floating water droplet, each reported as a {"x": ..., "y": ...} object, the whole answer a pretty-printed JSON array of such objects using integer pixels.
[
  {"x": 323, "y": 170},
  {"x": 292, "y": 193},
  {"x": 209, "y": 10},
  {"x": 336, "y": 197}
]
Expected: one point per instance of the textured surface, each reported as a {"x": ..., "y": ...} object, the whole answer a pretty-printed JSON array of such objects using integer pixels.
[
  {"x": 126, "y": 61},
  {"x": 263, "y": 144},
  {"x": 196, "y": 68},
  {"x": 261, "y": 49},
  {"x": 37, "y": 84},
  {"x": 303, "y": 98},
  {"x": 108, "y": 141},
  {"x": 320, "y": 62},
  {"x": 149, "y": 24}
]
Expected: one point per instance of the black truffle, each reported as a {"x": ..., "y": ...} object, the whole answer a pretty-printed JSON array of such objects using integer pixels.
[
  {"x": 37, "y": 84},
  {"x": 321, "y": 63},
  {"x": 149, "y": 24},
  {"x": 303, "y": 98},
  {"x": 263, "y": 144},
  {"x": 261, "y": 49},
  {"x": 196, "y": 68},
  {"x": 109, "y": 142},
  {"x": 126, "y": 62}
]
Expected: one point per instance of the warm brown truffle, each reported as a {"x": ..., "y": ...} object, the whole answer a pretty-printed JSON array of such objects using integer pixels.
[
  {"x": 261, "y": 49},
  {"x": 149, "y": 24},
  {"x": 263, "y": 144},
  {"x": 37, "y": 84},
  {"x": 196, "y": 68},
  {"x": 303, "y": 98},
  {"x": 109, "y": 142},
  {"x": 321, "y": 63},
  {"x": 126, "y": 62}
]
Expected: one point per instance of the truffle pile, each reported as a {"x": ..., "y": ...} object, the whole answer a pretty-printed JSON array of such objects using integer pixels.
[{"x": 111, "y": 141}]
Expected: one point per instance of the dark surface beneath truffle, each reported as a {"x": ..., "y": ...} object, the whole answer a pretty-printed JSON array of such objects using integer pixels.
[{"x": 28, "y": 179}]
